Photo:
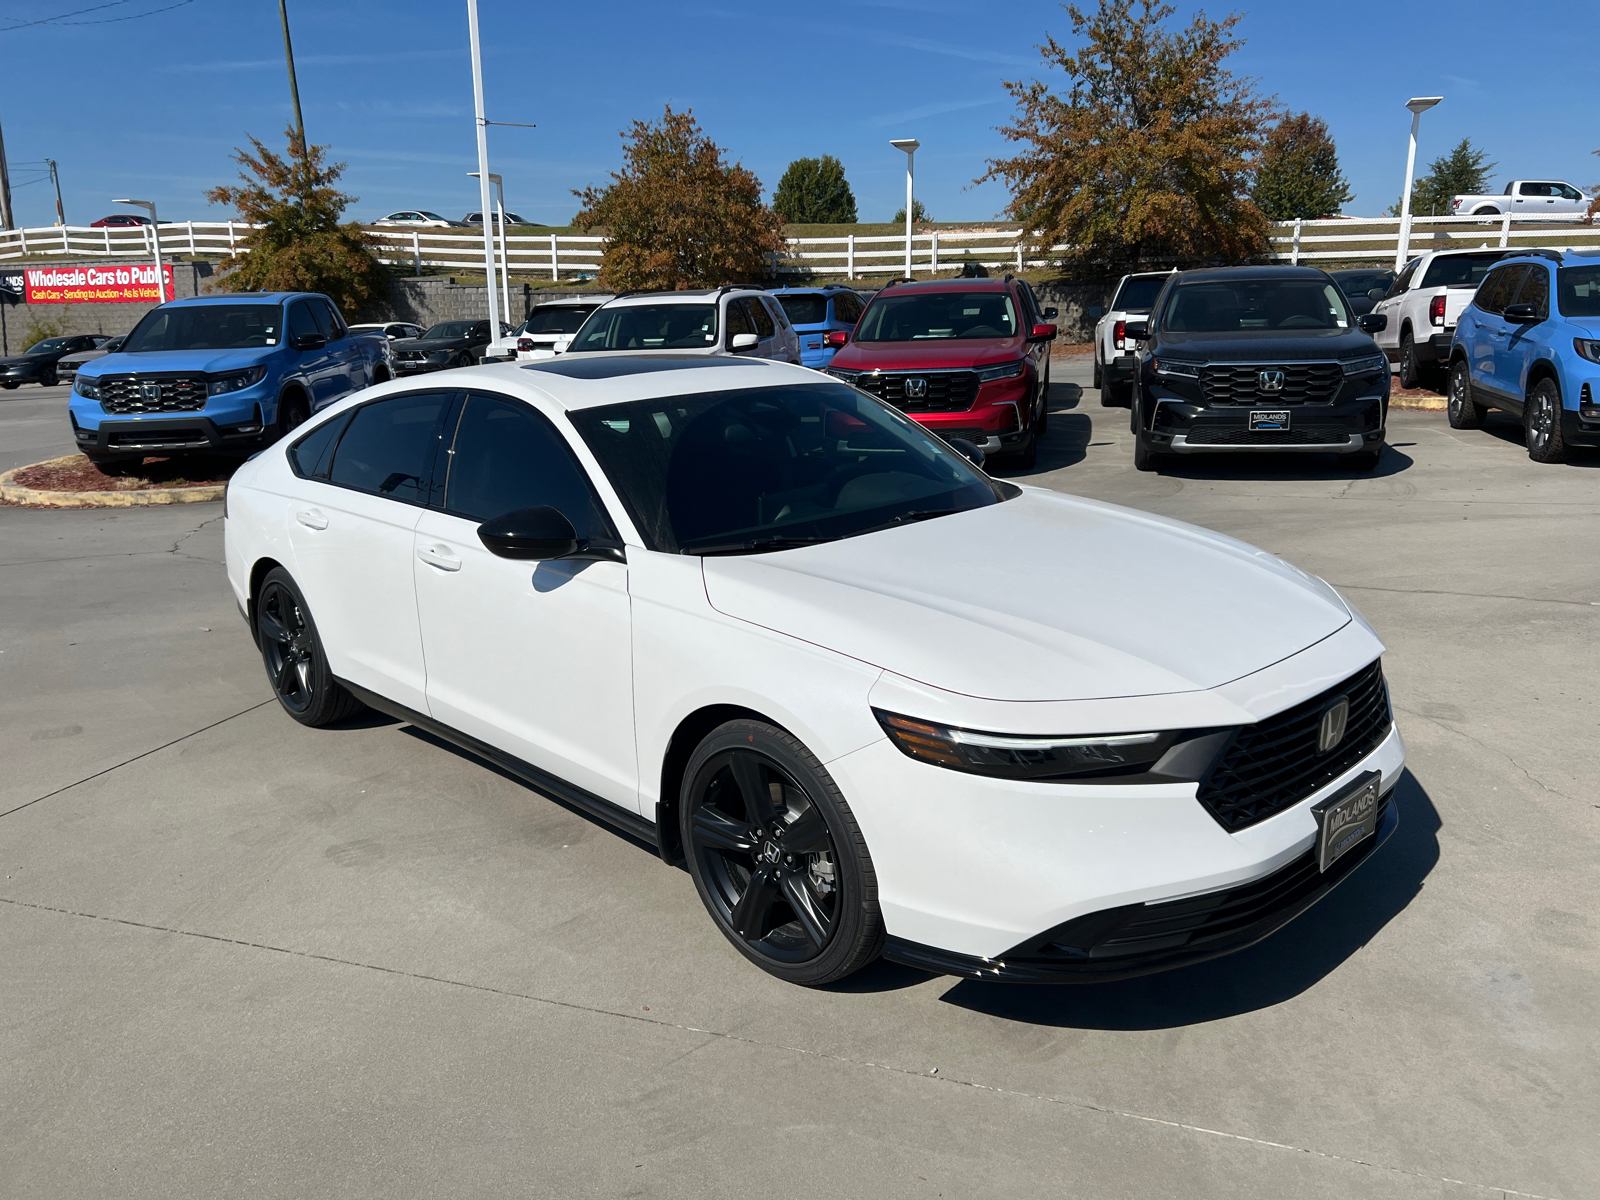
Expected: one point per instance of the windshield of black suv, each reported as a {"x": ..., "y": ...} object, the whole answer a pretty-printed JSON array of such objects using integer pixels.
[
  {"x": 1359, "y": 283},
  {"x": 1459, "y": 271},
  {"x": 805, "y": 310},
  {"x": 1138, "y": 295},
  {"x": 206, "y": 327},
  {"x": 649, "y": 327},
  {"x": 768, "y": 468},
  {"x": 445, "y": 330},
  {"x": 1578, "y": 291},
  {"x": 1250, "y": 302},
  {"x": 917, "y": 316},
  {"x": 48, "y": 346},
  {"x": 556, "y": 320}
]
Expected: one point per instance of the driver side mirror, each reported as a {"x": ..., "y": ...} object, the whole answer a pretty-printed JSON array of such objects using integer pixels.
[
  {"x": 530, "y": 533},
  {"x": 837, "y": 339},
  {"x": 1523, "y": 314},
  {"x": 1042, "y": 333},
  {"x": 1137, "y": 328},
  {"x": 1376, "y": 294},
  {"x": 1050, "y": 314},
  {"x": 967, "y": 450},
  {"x": 743, "y": 341},
  {"x": 1372, "y": 322},
  {"x": 310, "y": 341}
]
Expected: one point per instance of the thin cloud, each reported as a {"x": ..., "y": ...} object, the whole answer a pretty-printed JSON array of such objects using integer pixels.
[
  {"x": 304, "y": 60},
  {"x": 976, "y": 55},
  {"x": 930, "y": 110}
]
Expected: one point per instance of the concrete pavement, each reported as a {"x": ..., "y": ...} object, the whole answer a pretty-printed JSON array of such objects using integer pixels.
[{"x": 245, "y": 958}]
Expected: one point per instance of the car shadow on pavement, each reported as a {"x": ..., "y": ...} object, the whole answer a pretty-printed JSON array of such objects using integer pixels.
[
  {"x": 1270, "y": 972},
  {"x": 1279, "y": 466},
  {"x": 1067, "y": 441},
  {"x": 1508, "y": 429}
]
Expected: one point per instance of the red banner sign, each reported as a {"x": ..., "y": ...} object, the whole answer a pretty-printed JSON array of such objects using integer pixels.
[{"x": 125, "y": 283}]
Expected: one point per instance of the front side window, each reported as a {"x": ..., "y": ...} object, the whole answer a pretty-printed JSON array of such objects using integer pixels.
[
  {"x": 1578, "y": 291},
  {"x": 808, "y": 309},
  {"x": 302, "y": 321},
  {"x": 1498, "y": 288},
  {"x": 937, "y": 316},
  {"x": 1460, "y": 271},
  {"x": 1403, "y": 280},
  {"x": 50, "y": 345},
  {"x": 507, "y": 456},
  {"x": 1359, "y": 283},
  {"x": 1535, "y": 290},
  {"x": 649, "y": 327},
  {"x": 763, "y": 319},
  {"x": 847, "y": 307},
  {"x": 206, "y": 327},
  {"x": 1568, "y": 192},
  {"x": 562, "y": 321},
  {"x": 1248, "y": 303},
  {"x": 761, "y": 468},
  {"x": 328, "y": 320},
  {"x": 738, "y": 321},
  {"x": 388, "y": 447},
  {"x": 1138, "y": 295},
  {"x": 449, "y": 330}
]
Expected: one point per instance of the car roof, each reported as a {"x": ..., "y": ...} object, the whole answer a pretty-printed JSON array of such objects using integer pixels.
[
  {"x": 958, "y": 284},
  {"x": 574, "y": 301},
  {"x": 821, "y": 290},
  {"x": 573, "y": 382},
  {"x": 695, "y": 296},
  {"x": 239, "y": 298},
  {"x": 1274, "y": 272}
]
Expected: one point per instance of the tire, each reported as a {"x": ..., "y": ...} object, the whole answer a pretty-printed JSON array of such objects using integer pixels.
[
  {"x": 1144, "y": 458},
  {"x": 1541, "y": 423},
  {"x": 1042, "y": 425},
  {"x": 1410, "y": 368},
  {"x": 10, "y": 387},
  {"x": 47, "y": 377},
  {"x": 297, "y": 666},
  {"x": 1461, "y": 409},
  {"x": 1112, "y": 396},
  {"x": 116, "y": 466},
  {"x": 1026, "y": 458},
  {"x": 792, "y": 887},
  {"x": 1486, "y": 212},
  {"x": 291, "y": 415},
  {"x": 1097, "y": 373}
]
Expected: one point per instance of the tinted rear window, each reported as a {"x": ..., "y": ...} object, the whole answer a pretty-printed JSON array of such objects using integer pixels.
[
  {"x": 1138, "y": 295},
  {"x": 388, "y": 448},
  {"x": 1578, "y": 291},
  {"x": 805, "y": 310},
  {"x": 1463, "y": 272}
]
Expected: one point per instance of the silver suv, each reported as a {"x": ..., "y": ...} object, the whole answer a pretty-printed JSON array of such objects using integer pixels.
[{"x": 727, "y": 320}]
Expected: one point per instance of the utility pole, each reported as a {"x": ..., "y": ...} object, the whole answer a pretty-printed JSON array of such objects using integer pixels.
[
  {"x": 294, "y": 87},
  {"x": 5, "y": 189},
  {"x": 483, "y": 167},
  {"x": 61, "y": 217}
]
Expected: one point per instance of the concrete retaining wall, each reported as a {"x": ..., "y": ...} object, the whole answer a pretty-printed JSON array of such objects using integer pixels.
[{"x": 188, "y": 279}]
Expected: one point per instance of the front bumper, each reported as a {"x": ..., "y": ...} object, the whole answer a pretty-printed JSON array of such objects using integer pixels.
[
  {"x": 27, "y": 373},
  {"x": 1345, "y": 427},
  {"x": 411, "y": 367},
  {"x": 165, "y": 435},
  {"x": 1577, "y": 430}
]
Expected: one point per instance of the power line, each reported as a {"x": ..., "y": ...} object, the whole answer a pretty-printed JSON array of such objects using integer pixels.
[{"x": 61, "y": 19}]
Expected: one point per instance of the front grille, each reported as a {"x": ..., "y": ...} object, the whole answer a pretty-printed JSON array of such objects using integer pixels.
[
  {"x": 975, "y": 436},
  {"x": 1240, "y": 383},
  {"x": 1274, "y": 764},
  {"x": 1304, "y": 435},
  {"x": 947, "y": 391},
  {"x": 122, "y": 394}
]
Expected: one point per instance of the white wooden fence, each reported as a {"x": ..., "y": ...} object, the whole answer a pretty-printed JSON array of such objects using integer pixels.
[{"x": 852, "y": 256}]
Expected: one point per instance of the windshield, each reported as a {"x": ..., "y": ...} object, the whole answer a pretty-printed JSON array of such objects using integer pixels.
[
  {"x": 1250, "y": 302},
  {"x": 1139, "y": 295},
  {"x": 1462, "y": 272},
  {"x": 206, "y": 327},
  {"x": 445, "y": 330},
  {"x": 556, "y": 320},
  {"x": 48, "y": 345},
  {"x": 1578, "y": 291},
  {"x": 918, "y": 316},
  {"x": 1359, "y": 283},
  {"x": 761, "y": 468},
  {"x": 649, "y": 327},
  {"x": 805, "y": 310}
]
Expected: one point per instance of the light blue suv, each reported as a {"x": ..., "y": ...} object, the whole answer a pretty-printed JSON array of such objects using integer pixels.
[
  {"x": 1530, "y": 344},
  {"x": 816, "y": 312}
]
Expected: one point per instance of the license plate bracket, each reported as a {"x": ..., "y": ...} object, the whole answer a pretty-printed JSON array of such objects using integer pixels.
[
  {"x": 1269, "y": 419},
  {"x": 1347, "y": 819}
]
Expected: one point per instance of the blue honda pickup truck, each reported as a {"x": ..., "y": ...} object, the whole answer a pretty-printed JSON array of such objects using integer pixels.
[{"x": 220, "y": 375}]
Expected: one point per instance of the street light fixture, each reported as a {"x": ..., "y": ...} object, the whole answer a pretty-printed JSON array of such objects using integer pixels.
[
  {"x": 505, "y": 259},
  {"x": 155, "y": 240},
  {"x": 1418, "y": 105},
  {"x": 909, "y": 145}
]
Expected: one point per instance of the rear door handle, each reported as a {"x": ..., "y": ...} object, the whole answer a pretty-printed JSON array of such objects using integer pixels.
[
  {"x": 438, "y": 556},
  {"x": 311, "y": 519}
]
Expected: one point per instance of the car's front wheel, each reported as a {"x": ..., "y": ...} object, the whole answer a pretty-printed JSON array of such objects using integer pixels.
[
  {"x": 1462, "y": 411},
  {"x": 297, "y": 666},
  {"x": 47, "y": 377},
  {"x": 1542, "y": 423},
  {"x": 777, "y": 857}
]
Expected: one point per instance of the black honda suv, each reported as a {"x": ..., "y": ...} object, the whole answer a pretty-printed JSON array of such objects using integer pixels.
[{"x": 1257, "y": 359}]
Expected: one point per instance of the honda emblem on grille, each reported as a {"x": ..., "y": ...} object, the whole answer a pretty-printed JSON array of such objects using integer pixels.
[
  {"x": 916, "y": 389},
  {"x": 150, "y": 391},
  {"x": 1334, "y": 718},
  {"x": 1270, "y": 381}
]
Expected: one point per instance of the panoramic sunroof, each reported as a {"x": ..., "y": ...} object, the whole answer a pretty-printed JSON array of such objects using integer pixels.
[{"x": 613, "y": 366}]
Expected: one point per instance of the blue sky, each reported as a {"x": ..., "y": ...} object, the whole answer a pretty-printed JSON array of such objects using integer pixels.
[{"x": 154, "y": 105}]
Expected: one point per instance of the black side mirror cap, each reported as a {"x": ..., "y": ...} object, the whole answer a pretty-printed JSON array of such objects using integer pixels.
[
  {"x": 1377, "y": 294},
  {"x": 967, "y": 450},
  {"x": 1372, "y": 322},
  {"x": 310, "y": 341},
  {"x": 1137, "y": 328},
  {"x": 530, "y": 533},
  {"x": 1050, "y": 314},
  {"x": 1522, "y": 314}
]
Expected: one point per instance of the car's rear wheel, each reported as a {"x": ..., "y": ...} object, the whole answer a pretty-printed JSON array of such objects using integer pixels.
[
  {"x": 1097, "y": 372},
  {"x": 1461, "y": 409},
  {"x": 297, "y": 666},
  {"x": 777, "y": 857},
  {"x": 1541, "y": 422},
  {"x": 1410, "y": 369}
]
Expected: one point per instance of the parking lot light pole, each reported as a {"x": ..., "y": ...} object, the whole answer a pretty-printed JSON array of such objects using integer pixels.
[
  {"x": 155, "y": 240},
  {"x": 1418, "y": 105},
  {"x": 483, "y": 166},
  {"x": 909, "y": 145},
  {"x": 505, "y": 258}
]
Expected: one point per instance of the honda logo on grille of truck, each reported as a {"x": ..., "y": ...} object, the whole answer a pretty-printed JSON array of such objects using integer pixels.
[
  {"x": 916, "y": 389},
  {"x": 1270, "y": 381},
  {"x": 1334, "y": 719},
  {"x": 150, "y": 391}
]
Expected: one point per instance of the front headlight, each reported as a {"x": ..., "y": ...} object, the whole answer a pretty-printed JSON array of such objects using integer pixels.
[
  {"x": 1587, "y": 348},
  {"x": 1026, "y": 757},
  {"x": 1176, "y": 366},
  {"x": 1366, "y": 366},
  {"x": 86, "y": 387},
  {"x": 236, "y": 381},
  {"x": 841, "y": 373},
  {"x": 440, "y": 356},
  {"x": 1003, "y": 371}
]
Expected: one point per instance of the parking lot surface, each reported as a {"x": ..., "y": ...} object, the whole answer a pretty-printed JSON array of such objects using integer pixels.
[{"x": 247, "y": 958}]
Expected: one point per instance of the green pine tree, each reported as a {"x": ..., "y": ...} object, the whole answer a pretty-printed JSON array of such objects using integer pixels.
[
  {"x": 1298, "y": 174},
  {"x": 919, "y": 214},
  {"x": 814, "y": 191},
  {"x": 1464, "y": 169}
]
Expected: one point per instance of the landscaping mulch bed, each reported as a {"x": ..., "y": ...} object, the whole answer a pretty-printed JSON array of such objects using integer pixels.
[{"x": 78, "y": 474}]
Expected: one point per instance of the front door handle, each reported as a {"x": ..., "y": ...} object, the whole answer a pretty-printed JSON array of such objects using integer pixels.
[
  {"x": 439, "y": 556},
  {"x": 311, "y": 519}
]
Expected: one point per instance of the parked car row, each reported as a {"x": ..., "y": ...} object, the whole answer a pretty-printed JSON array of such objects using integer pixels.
[
  {"x": 49, "y": 360},
  {"x": 421, "y": 218}
]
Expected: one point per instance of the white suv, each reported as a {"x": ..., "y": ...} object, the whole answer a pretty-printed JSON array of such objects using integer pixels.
[
  {"x": 727, "y": 320},
  {"x": 1116, "y": 355},
  {"x": 1422, "y": 305}
]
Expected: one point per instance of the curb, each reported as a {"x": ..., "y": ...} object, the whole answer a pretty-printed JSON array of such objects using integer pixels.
[
  {"x": 1418, "y": 403},
  {"x": 14, "y": 493}
]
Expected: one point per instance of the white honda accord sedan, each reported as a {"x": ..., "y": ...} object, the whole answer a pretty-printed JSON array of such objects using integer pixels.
[{"x": 878, "y": 702}]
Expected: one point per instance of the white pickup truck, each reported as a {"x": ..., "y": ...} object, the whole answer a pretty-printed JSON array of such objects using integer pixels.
[
  {"x": 1422, "y": 305},
  {"x": 1524, "y": 198},
  {"x": 1116, "y": 355}
]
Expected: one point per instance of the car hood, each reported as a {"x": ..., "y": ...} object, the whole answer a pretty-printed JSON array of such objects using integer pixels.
[
  {"x": 157, "y": 362},
  {"x": 18, "y": 360},
  {"x": 82, "y": 356},
  {"x": 1266, "y": 345},
  {"x": 430, "y": 345},
  {"x": 929, "y": 355},
  {"x": 1042, "y": 598}
]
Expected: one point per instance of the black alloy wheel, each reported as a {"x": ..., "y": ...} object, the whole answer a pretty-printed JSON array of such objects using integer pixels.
[
  {"x": 47, "y": 376},
  {"x": 291, "y": 415},
  {"x": 1541, "y": 419},
  {"x": 1461, "y": 409},
  {"x": 1410, "y": 368},
  {"x": 296, "y": 666},
  {"x": 776, "y": 855}
]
